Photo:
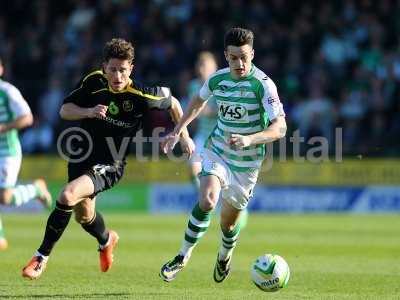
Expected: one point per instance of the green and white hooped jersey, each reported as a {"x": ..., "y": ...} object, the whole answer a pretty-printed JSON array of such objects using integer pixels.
[
  {"x": 12, "y": 106},
  {"x": 245, "y": 106}
]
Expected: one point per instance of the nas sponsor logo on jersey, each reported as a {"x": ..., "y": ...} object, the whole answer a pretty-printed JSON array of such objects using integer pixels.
[{"x": 229, "y": 111}]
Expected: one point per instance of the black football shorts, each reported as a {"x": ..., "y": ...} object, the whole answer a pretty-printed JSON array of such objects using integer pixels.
[{"x": 104, "y": 176}]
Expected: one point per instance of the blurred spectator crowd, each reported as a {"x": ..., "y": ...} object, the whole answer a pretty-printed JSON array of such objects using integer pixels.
[{"x": 336, "y": 63}]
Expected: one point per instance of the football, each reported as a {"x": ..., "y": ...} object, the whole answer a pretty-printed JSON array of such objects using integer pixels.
[{"x": 270, "y": 272}]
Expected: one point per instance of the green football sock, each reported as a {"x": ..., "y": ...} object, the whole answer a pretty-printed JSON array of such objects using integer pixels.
[
  {"x": 24, "y": 193},
  {"x": 228, "y": 242},
  {"x": 197, "y": 226}
]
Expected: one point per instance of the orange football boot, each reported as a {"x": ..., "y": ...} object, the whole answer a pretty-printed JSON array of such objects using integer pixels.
[
  {"x": 34, "y": 268},
  {"x": 106, "y": 254}
]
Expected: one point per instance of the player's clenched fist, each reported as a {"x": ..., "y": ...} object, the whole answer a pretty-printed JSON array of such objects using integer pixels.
[
  {"x": 168, "y": 142},
  {"x": 99, "y": 111},
  {"x": 187, "y": 145},
  {"x": 239, "y": 141}
]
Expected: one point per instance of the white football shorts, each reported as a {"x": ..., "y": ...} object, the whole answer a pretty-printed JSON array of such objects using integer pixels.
[
  {"x": 199, "y": 141},
  {"x": 236, "y": 187},
  {"x": 9, "y": 170}
]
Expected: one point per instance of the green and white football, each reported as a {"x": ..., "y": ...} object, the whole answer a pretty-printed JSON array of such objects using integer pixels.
[{"x": 270, "y": 272}]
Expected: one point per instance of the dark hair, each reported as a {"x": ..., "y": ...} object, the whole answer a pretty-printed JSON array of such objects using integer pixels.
[
  {"x": 238, "y": 37},
  {"x": 118, "y": 48}
]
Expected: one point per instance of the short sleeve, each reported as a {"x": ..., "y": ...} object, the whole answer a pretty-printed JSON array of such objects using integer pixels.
[
  {"x": 156, "y": 97},
  {"x": 205, "y": 93},
  {"x": 18, "y": 104},
  {"x": 270, "y": 99}
]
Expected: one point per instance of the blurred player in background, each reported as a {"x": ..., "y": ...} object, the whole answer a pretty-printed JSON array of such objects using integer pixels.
[
  {"x": 15, "y": 114},
  {"x": 109, "y": 105},
  {"x": 205, "y": 66},
  {"x": 250, "y": 115}
]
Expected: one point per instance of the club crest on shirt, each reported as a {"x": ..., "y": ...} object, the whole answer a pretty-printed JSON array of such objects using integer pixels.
[
  {"x": 223, "y": 88},
  {"x": 127, "y": 105}
]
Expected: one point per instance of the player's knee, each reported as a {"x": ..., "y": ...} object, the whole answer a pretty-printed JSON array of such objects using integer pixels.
[
  {"x": 208, "y": 201},
  {"x": 5, "y": 196},
  {"x": 67, "y": 197}
]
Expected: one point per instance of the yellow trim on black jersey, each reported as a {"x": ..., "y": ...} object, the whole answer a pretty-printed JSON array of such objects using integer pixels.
[
  {"x": 86, "y": 77},
  {"x": 129, "y": 90},
  {"x": 98, "y": 91},
  {"x": 93, "y": 73},
  {"x": 140, "y": 93}
]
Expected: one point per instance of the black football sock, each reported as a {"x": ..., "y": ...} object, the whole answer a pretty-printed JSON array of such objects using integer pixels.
[
  {"x": 97, "y": 228},
  {"x": 56, "y": 224}
]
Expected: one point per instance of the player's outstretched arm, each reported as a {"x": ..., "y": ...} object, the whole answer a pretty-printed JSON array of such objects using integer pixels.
[
  {"x": 275, "y": 131},
  {"x": 195, "y": 107},
  {"x": 19, "y": 123},
  {"x": 176, "y": 113},
  {"x": 73, "y": 112}
]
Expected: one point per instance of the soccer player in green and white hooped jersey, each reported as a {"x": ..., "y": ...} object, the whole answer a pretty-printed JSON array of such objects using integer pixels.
[
  {"x": 206, "y": 65},
  {"x": 250, "y": 115},
  {"x": 15, "y": 114}
]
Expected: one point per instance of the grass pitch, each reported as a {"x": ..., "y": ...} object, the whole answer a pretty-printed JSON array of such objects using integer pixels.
[{"x": 330, "y": 256}]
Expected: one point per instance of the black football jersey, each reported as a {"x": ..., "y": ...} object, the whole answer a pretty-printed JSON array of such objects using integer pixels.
[{"x": 124, "y": 118}]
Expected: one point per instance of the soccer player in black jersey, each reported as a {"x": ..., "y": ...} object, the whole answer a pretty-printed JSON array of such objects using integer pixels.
[{"x": 110, "y": 107}]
